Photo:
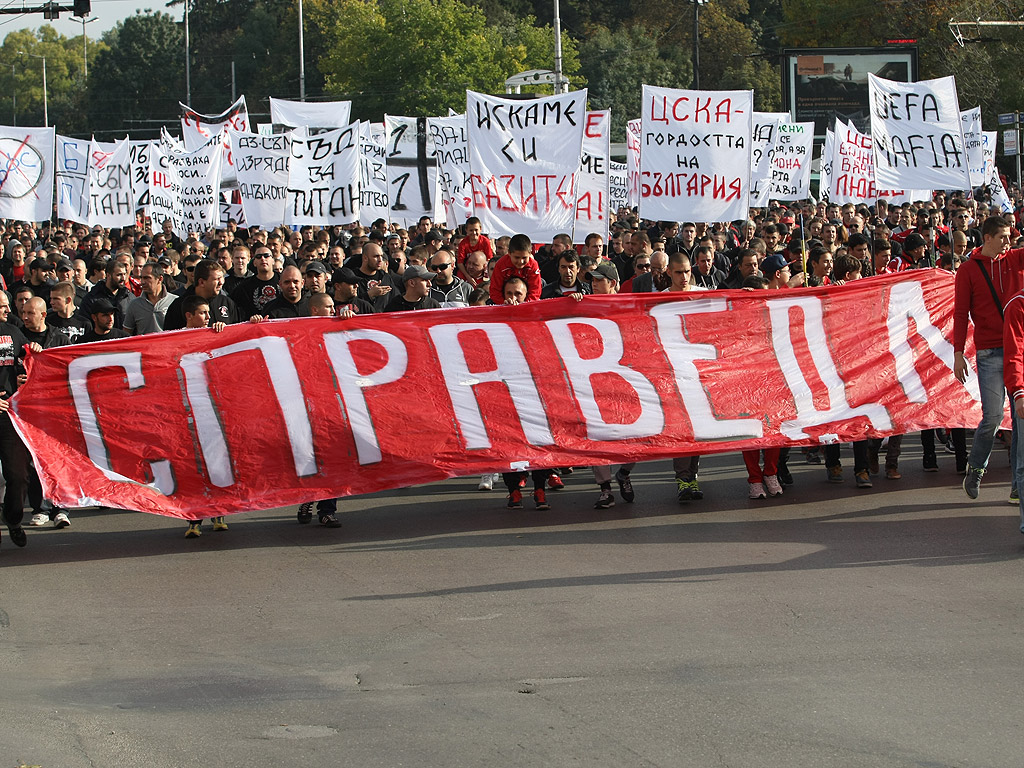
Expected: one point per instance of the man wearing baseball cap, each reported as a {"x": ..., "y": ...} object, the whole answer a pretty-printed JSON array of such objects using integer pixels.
[
  {"x": 345, "y": 287},
  {"x": 418, "y": 281}
]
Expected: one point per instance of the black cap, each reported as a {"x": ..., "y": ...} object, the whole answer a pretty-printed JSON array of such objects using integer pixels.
[
  {"x": 102, "y": 306},
  {"x": 316, "y": 266},
  {"x": 433, "y": 236},
  {"x": 344, "y": 275},
  {"x": 63, "y": 265}
]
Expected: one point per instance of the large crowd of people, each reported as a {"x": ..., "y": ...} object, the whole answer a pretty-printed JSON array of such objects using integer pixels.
[{"x": 69, "y": 284}]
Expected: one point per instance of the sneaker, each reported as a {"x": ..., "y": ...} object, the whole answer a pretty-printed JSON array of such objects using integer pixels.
[
  {"x": 515, "y": 499},
  {"x": 972, "y": 481},
  {"x": 685, "y": 491},
  {"x": 949, "y": 445},
  {"x": 756, "y": 491},
  {"x": 891, "y": 473},
  {"x": 194, "y": 531},
  {"x": 625, "y": 486},
  {"x": 540, "y": 500},
  {"x": 785, "y": 476},
  {"x": 38, "y": 519},
  {"x": 330, "y": 521},
  {"x": 486, "y": 483},
  {"x": 522, "y": 480},
  {"x": 863, "y": 479},
  {"x": 566, "y": 470},
  {"x": 61, "y": 520},
  {"x": 555, "y": 482},
  {"x": 772, "y": 485},
  {"x": 931, "y": 464},
  {"x": 812, "y": 455},
  {"x": 18, "y": 537},
  {"x": 605, "y": 501},
  {"x": 305, "y": 513},
  {"x": 835, "y": 474},
  {"x": 219, "y": 524},
  {"x": 873, "y": 467},
  {"x": 698, "y": 494},
  {"x": 1014, "y": 496}
]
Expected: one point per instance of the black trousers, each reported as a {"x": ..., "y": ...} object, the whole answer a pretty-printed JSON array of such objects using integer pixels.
[{"x": 14, "y": 460}]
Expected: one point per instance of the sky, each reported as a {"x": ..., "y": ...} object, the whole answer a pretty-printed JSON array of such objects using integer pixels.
[{"x": 105, "y": 14}]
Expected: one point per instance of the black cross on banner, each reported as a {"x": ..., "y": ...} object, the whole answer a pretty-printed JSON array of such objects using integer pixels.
[{"x": 408, "y": 189}]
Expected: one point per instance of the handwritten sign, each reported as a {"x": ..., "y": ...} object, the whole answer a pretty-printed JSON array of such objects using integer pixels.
[
  {"x": 184, "y": 187},
  {"x": 791, "y": 161},
  {"x": 451, "y": 147},
  {"x": 197, "y": 130},
  {"x": 111, "y": 199},
  {"x": 917, "y": 134},
  {"x": 412, "y": 170},
  {"x": 633, "y": 134},
  {"x": 323, "y": 178},
  {"x": 852, "y": 179},
  {"x": 618, "y": 187},
  {"x": 524, "y": 158},
  {"x": 261, "y": 164},
  {"x": 695, "y": 157},
  {"x": 26, "y": 173},
  {"x": 373, "y": 174},
  {"x": 592, "y": 196},
  {"x": 970, "y": 121},
  {"x": 762, "y": 149}
]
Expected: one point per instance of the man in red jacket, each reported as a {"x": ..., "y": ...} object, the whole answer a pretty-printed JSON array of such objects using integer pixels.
[
  {"x": 1013, "y": 376},
  {"x": 984, "y": 284},
  {"x": 517, "y": 263}
]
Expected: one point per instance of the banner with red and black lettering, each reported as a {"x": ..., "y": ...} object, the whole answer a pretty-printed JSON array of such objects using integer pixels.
[
  {"x": 524, "y": 162},
  {"x": 195, "y": 423},
  {"x": 695, "y": 154}
]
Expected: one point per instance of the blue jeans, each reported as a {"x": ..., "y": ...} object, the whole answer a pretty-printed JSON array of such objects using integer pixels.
[
  {"x": 993, "y": 401},
  {"x": 1018, "y": 469}
]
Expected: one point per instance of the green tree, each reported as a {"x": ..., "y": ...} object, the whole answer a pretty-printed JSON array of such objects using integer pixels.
[
  {"x": 139, "y": 78},
  {"x": 418, "y": 57},
  {"x": 615, "y": 65},
  {"x": 21, "y": 77}
]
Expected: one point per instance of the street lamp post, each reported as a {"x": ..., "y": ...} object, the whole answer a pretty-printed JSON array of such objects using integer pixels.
[
  {"x": 696, "y": 43},
  {"x": 46, "y": 111},
  {"x": 302, "y": 59},
  {"x": 188, "y": 62}
]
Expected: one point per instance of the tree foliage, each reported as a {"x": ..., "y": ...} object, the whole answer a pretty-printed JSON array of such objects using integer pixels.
[
  {"x": 418, "y": 57},
  {"x": 140, "y": 75}
]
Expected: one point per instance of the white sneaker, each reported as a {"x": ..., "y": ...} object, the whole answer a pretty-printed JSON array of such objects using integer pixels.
[
  {"x": 39, "y": 519},
  {"x": 486, "y": 483},
  {"x": 756, "y": 491},
  {"x": 61, "y": 520},
  {"x": 771, "y": 482}
]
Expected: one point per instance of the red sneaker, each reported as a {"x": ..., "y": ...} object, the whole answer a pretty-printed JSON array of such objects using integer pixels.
[
  {"x": 540, "y": 500},
  {"x": 515, "y": 500},
  {"x": 555, "y": 482}
]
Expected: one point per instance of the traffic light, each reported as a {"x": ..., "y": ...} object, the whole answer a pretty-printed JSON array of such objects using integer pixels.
[
  {"x": 51, "y": 11},
  {"x": 82, "y": 8}
]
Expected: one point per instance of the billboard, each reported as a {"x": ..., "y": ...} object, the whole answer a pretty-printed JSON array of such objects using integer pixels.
[{"x": 821, "y": 83}]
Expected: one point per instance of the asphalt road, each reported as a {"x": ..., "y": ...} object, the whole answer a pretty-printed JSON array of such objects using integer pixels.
[{"x": 833, "y": 627}]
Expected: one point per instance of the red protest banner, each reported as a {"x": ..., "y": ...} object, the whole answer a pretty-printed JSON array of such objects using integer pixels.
[{"x": 193, "y": 423}]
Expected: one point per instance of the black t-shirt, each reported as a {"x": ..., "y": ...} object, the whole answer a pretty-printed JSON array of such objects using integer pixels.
[
  {"x": 47, "y": 339},
  {"x": 74, "y": 327},
  {"x": 399, "y": 304},
  {"x": 114, "y": 333},
  {"x": 12, "y": 349},
  {"x": 222, "y": 310},
  {"x": 281, "y": 307},
  {"x": 252, "y": 295},
  {"x": 357, "y": 305}
]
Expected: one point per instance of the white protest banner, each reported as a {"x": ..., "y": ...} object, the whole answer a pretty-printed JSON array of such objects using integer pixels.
[
  {"x": 853, "y": 171},
  {"x": 970, "y": 121},
  {"x": 633, "y": 132},
  {"x": 791, "y": 161},
  {"x": 825, "y": 164},
  {"x": 323, "y": 178},
  {"x": 26, "y": 173},
  {"x": 261, "y": 163},
  {"x": 592, "y": 193},
  {"x": 111, "y": 200},
  {"x": 449, "y": 138},
  {"x": 197, "y": 130},
  {"x": 695, "y": 156},
  {"x": 184, "y": 187},
  {"x": 993, "y": 183},
  {"x": 524, "y": 158},
  {"x": 762, "y": 148},
  {"x": 373, "y": 175},
  {"x": 412, "y": 170},
  {"x": 285, "y": 114},
  {"x": 231, "y": 208},
  {"x": 138, "y": 155},
  {"x": 917, "y": 134},
  {"x": 72, "y": 174},
  {"x": 618, "y": 188}
]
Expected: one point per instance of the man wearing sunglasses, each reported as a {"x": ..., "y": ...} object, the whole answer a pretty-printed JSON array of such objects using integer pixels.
[{"x": 447, "y": 289}]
